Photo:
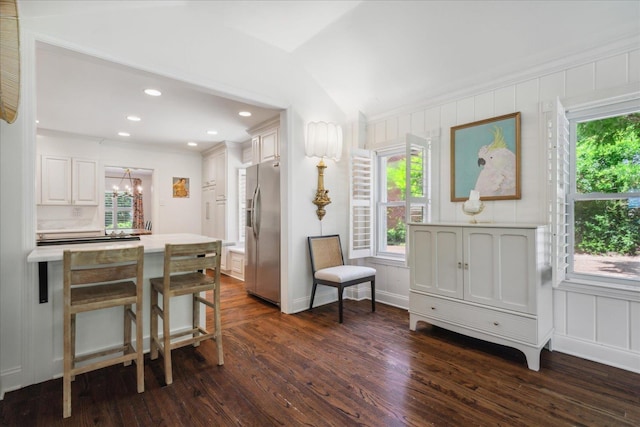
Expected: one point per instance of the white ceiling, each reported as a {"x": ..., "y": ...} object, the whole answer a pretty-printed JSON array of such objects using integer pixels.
[{"x": 369, "y": 56}]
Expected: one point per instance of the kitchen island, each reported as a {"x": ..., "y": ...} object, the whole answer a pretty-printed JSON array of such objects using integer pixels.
[{"x": 99, "y": 329}]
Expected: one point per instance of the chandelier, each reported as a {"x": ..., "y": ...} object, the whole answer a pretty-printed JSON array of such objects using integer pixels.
[{"x": 128, "y": 187}]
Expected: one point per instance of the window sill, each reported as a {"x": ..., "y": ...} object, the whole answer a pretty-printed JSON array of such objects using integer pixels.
[
  {"x": 601, "y": 288},
  {"x": 382, "y": 260}
]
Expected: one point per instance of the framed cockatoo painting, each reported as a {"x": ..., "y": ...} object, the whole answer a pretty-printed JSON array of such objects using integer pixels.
[{"x": 485, "y": 158}]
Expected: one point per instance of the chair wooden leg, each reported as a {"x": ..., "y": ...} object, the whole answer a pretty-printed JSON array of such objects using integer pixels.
[
  {"x": 373, "y": 295},
  {"x": 153, "y": 326},
  {"x": 66, "y": 373},
  {"x": 195, "y": 318},
  {"x": 218, "y": 323},
  {"x": 340, "y": 289},
  {"x": 166, "y": 322},
  {"x": 139, "y": 346},
  {"x": 313, "y": 294},
  {"x": 126, "y": 340}
]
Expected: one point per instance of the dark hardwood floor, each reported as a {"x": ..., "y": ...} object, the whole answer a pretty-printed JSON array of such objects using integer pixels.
[{"x": 307, "y": 369}]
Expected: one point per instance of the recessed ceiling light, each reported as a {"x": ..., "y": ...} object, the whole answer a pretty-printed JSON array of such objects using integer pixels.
[
  {"x": 212, "y": 132},
  {"x": 124, "y": 134},
  {"x": 192, "y": 144},
  {"x": 152, "y": 92},
  {"x": 134, "y": 118},
  {"x": 37, "y": 121},
  {"x": 245, "y": 113}
]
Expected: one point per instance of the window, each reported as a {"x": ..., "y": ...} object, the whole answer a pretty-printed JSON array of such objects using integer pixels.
[
  {"x": 242, "y": 202},
  {"x": 603, "y": 209},
  {"x": 595, "y": 188},
  {"x": 402, "y": 195},
  {"x": 390, "y": 204},
  {"x": 118, "y": 211}
]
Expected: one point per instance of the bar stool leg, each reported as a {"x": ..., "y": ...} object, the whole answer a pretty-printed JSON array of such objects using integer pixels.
[
  {"x": 153, "y": 325},
  {"x": 126, "y": 340},
  {"x": 66, "y": 374},
  {"x": 166, "y": 353}
]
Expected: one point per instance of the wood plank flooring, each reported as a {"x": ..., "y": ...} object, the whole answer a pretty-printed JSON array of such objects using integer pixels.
[{"x": 307, "y": 369}]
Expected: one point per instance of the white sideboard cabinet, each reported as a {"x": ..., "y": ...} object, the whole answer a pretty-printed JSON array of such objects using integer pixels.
[{"x": 488, "y": 281}]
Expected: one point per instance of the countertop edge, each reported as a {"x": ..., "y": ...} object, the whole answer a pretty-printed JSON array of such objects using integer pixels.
[{"x": 152, "y": 244}]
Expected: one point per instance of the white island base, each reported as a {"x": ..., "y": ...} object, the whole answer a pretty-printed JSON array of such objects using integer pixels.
[{"x": 96, "y": 330}]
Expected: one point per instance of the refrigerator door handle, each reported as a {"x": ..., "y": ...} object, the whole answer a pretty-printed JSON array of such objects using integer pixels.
[
  {"x": 257, "y": 208},
  {"x": 253, "y": 212}
]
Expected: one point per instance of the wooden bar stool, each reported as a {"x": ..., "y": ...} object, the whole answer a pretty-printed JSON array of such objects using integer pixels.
[
  {"x": 185, "y": 274},
  {"x": 94, "y": 280}
]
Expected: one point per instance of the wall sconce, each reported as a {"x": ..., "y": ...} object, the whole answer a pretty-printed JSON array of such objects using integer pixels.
[{"x": 323, "y": 140}]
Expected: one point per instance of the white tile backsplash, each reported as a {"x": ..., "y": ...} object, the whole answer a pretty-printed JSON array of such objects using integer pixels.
[{"x": 68, "y": 218}]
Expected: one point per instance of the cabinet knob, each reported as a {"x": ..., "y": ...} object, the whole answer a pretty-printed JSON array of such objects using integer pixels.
[
  {"x": 466, "y": 266},
  {"x": 459, "y": 265},
  {"x": 496, "y": 323},
  {"x": 433, "y": 308}
]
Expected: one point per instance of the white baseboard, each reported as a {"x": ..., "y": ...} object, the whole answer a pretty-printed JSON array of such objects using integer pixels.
[
  {"x": 11, "y": 380},
  {"x": 597, "y": 352}
]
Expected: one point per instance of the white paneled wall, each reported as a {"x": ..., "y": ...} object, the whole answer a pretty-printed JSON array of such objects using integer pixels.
[{"x": 601, "y": 326}]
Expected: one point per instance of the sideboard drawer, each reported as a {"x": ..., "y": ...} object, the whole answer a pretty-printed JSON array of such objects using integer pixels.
[{"x": 475, "y": 317}]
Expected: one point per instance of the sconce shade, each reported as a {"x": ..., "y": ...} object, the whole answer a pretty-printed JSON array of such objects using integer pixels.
[{"x": 324, "y": 140}]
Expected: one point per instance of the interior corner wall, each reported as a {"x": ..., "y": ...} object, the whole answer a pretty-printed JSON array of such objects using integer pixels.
[{"x": 613, "y": 74}]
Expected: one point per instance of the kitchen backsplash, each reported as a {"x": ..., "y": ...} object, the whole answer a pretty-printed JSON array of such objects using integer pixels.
[{"x": 68, "y": 218}]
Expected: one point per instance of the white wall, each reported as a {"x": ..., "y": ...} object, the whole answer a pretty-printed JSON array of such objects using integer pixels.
[
  {"x": 169, "y": 215},
  {"x": 250, "y": 70},
  {"x": 599, "y": 325}
]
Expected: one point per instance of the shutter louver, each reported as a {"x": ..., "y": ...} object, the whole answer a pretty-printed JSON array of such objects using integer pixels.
[
  {"x": 558, "y": 176},
  {"x": 361, "y": 206}
]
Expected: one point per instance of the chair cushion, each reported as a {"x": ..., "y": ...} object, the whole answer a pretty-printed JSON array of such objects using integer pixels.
[{"x": 344, "y": 273}]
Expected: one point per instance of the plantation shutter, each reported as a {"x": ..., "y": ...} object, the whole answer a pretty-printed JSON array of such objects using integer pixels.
[
  {"x": 418, "y": 188},
  {"x": 361, "y": 203},
  {"x": 558, "y": 171}
]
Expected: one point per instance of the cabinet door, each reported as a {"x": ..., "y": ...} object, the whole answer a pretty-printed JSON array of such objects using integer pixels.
[
  {"x": 269, "y": 145},
  {"x": 208, "y": 211},
  {"x": 220, "y": 222},
  {"x": 435, "y": 257},
  {"x": 500, "y": 268},
  {"x": 220, "y": 166},
  {"x": 208, "y": 171},
  {"x": 255, "y": 146},
  {"x": 220, "y": 229},
  {"x": 55, "y": 180},
  {"x": 84, "y": 182}
]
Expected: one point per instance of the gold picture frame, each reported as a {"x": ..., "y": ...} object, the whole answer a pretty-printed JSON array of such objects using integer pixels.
[
  {"x": 180, "y": 187},
  {"x": 485, "y": 157}
]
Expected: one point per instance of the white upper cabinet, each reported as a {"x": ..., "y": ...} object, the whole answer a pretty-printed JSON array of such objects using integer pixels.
[
  {"x": 265, "y": 141},
  {"x": 208, "y": 171},
  {"x": 84, "y": 182},
  {"x": 68, "y": 181},
  {"x": 220, "y": 173}
]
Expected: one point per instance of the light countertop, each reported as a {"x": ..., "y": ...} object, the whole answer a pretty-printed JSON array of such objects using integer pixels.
[{"x": 153, "y": 243}]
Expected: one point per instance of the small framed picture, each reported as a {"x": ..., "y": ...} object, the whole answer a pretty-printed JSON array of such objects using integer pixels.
[
  {"x": 485, "y": 157},
  {"x": 180, "y": 187}
]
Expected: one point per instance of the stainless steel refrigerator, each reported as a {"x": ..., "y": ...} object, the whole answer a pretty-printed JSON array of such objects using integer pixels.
[{"x": 262, "y": 231}]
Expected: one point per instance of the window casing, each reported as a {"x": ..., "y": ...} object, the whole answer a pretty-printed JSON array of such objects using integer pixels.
[
  {"x": 242, "y": 203},
  {"x": 118, "y": 211},
  {"x": 390, "y": 204},
  {"x": 594, "y": 210}
]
